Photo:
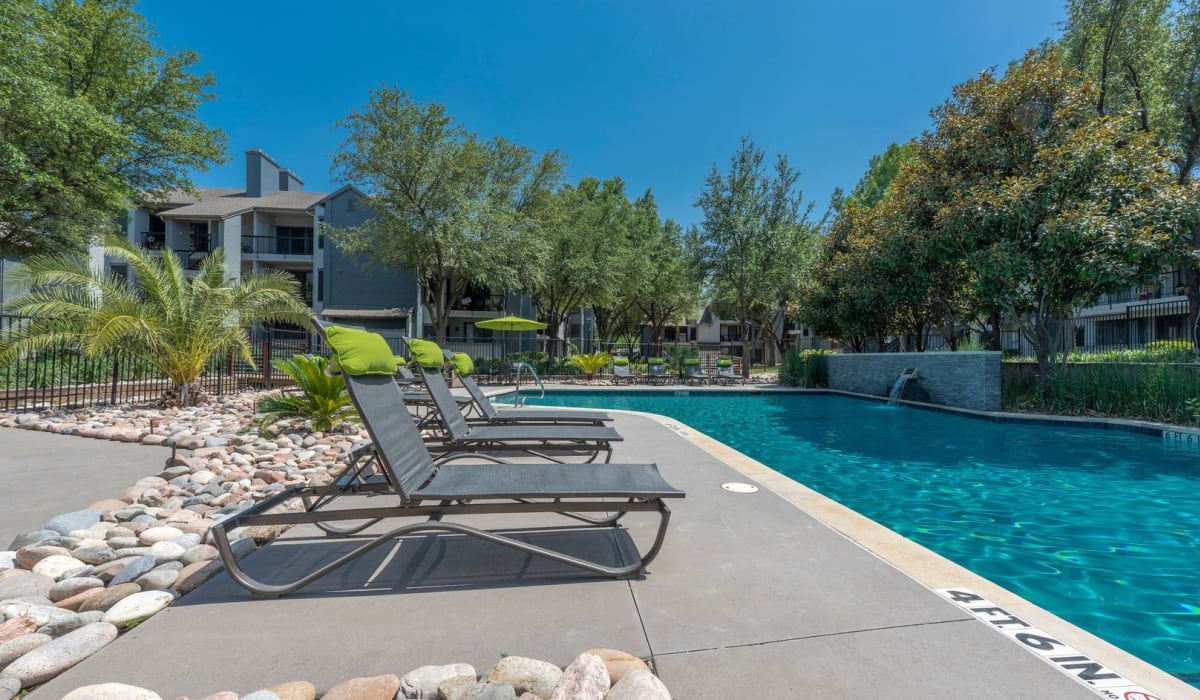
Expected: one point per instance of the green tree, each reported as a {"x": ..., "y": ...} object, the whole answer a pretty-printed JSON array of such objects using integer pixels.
[
  {"x": 458, "y": 209},
  {"x": 883, "y": 169},
  {"x": 172, "y": 321},
  {"x": 617, "y": 316},
  {"x": 751, "y": 213},
  {"x": 1048, "y": 202},
  {"x": 93, "y": 117},
  {"x": 672, "y": 280}
]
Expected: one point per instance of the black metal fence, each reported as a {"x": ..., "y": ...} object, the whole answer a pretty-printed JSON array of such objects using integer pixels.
[{"x": 1133, "y": 327}]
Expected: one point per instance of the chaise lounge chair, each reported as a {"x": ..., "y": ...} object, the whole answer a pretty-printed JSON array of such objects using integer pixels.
[
  {"x": 463, "y": 369},
  {"x": 656, "y": 371},
  {"x": 442, "y": 495},
  {"x": 693, "y": 373},
  {"x": 534, "y": 439},
  {"x": 725, "y": 373},
  {"x": 621, "y": 371}
]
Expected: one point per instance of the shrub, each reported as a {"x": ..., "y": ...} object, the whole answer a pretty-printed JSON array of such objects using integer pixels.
[
  {"x": 808, "y": 368},
  {"x": 590, "y": 365},
  {"x": 321, "y": 398},
  {"x": 1154, "y": 391}
]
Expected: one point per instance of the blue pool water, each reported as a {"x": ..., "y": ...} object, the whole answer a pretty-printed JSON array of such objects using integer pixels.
[{"x": 1100, "y": 527}]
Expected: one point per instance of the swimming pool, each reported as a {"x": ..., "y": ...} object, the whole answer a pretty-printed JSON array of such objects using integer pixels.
[{"x": 1100, "y": 527}]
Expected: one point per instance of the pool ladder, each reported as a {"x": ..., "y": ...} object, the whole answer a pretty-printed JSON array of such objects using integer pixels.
[{"x": 517, "y": 400}]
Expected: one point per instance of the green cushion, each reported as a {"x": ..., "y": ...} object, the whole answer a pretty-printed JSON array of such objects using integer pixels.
[
  {"x": 360, "y": 352},
  {"x": 691, "y": 362},
  {"x": 400, "y": 361},
  {"x": 621, "y": 361},
  {"x": 654, "y": 361},
  {"x": 426, "y": 353},
  {"x": 463, "y": 366},
  {"x": 724, "y": 363}
]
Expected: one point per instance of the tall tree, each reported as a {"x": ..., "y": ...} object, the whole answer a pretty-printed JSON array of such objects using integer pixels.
[
  {"x": 458, "y": 209},
  {"x": 671, "y": 285},
  {"x": 617, "y": 317},
  {"x": 749, "y": 215},
  {"x": 1050, "y": 203},
  {"x": 93, "y": 117}
]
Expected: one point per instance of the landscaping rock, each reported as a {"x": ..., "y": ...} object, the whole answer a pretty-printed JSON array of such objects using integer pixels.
[
  {"x": 56, "y": 656},
  {"x": 193, "y": 575},
  {"x": 78, "y": 520},
  {"x": 111, "y": 691},
  {"x": 585, "y": 678},
  {"x": 158, "y": 579},
  {"x": 100, "y": 554},
  {"x": 17, "y": 626},
  {"x": 373, "y": 688},
  {"x": 163, "y": 533},
  {"x": 14, "y": 649},
  {"x": 55, "y": 565},
  {"x": 423, "y": 682},
  {"x": 76, "y": 601},
  {"x": 296, "y": 690},
  {"x": 618, "y": 663},
  {"x": 110, "y": 597},
  {"x": 524, "y": 674},
  {"x": 639, "y": 685},
  {"x": 133, "y": 570},
  {"x": 261, "y": 695},
  {"x": 73, "y": 586},
  {"x": 489, "y": 691},
  {"x": 16, "y": 583},
  {"x": 28, "y": 557},
  {"x": 30, "y": 538},
  {"x": 137, "y": 607},
  {"x": 9, "y": 687}
]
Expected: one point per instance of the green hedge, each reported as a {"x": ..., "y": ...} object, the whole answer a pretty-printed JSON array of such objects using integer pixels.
[
  {"x": 807, "y": 368},
  {"x": 1165, "y": 392}
]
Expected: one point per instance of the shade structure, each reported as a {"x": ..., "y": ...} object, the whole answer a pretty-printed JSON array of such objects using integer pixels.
[{"x": 510, "y": 323}]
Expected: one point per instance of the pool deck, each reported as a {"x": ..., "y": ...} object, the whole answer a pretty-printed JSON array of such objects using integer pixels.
[{"x": 775, "y": 594}]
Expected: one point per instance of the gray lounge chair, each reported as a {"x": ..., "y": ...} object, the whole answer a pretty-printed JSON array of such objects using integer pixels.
[
  {"x": 442, "y": 495},
  {"x": 459, "y": 436},
  {"x": 693, "y": 373},
  {"x": 656, "y": 371},
  {"x": 725, "y": 373},
  {"x": 494, "y": 415},
  {"x": 621, "y": 371}
]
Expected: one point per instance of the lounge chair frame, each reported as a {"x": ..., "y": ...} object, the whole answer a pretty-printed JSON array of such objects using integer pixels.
[
  {"x": 440, "y": 492},
  {"x": 482, "y": 405}
]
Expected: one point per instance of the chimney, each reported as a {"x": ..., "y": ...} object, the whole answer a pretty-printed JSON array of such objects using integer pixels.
[{"x": 262, "y": 174}]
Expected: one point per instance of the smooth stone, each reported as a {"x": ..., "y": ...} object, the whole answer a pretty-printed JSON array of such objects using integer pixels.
[
  {"x": 261, "y": 695},
  {"x": 17, "y": 626},
  {"x": 188, "y": 539},
  {"x": 201, "y": 552},
  {"x": 28, "y": 557},
  {"x": 14, "y": 649},
  {"x": 105, "y": 572},
  {"x": 101, "y": 554},
  {"x": 195, "y": 574},
  {"x": 166, "y": 551},
  {"x": 109, "y": 506},
  {"x": 30, "y": 538},
  {"x": 82, "y": 572},
  {"x": 618, "y": 663},
  {"x": 639, "y": 685},
  {"x": 455, "y": 688},
  {"x": 76, "y": 601},
  {"x": 58, "y": 628},
  {"x": 123, "y": 543},
  {"x": 162, "y": 533},
  {"x": 17, "y": 583},
  {"x": 9, "y": 687},
  {"x": 585, "y": 678},
  {"x": 423, "y": 682},
  {"x": 296, "y": 690},
  {"x": 133, "y": 570},
  {"x": 73, "y": 586},
  {"x": 373, "y": 688},
  {"x": 137, "y": 607},
  {"x": 111, "y": 691},
  {"x": 55, "y": 565},
  {"x": 8, "y": 560},
  {"x": 56, "y": 656},
  {"x": 222, "y": 695},
  {"x": 77, "y": 520},
  {"x": 110, "y": 597},
  {"x": 524, "y": 674},
  {"x": 158, "y": 579},
  {"x": 45, "y": 614},
  {"x": 489, "y": 691}
]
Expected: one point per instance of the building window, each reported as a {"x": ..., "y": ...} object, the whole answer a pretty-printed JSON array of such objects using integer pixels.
[
  {"x": 321, "y": 286},
  {"x": 293, "y": 240},
  {"x": 352, "y": 204}
]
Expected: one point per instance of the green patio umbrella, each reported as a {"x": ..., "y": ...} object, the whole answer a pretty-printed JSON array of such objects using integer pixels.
[{"x": 511, "y": 323}]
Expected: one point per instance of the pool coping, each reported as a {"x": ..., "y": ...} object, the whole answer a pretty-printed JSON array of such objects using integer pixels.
[{"x": 928, "y": 568}]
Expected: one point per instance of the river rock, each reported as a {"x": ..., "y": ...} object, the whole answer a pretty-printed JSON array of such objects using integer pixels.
[
  {"x": 14, "y": 649},
  {"x": 423, "y": 682},
  {"x": 585, "y": 678},
  {"x": 618, "y": 663},
  {"x": 73, "y": 586},
  {"x": 110, "y": 597},
  {"x": 296, "y": 690},
  {"x": 100, "y": 554},
  {"x": 111, "y": 691},
  {"x": 222, "y": 695},
  {"x": 166, "y": 551},
  {"x": 639, "y": 685},
  {"x": 524, "y": 674},
  {"x": 28, "y": 557},
  {"x": 109, "y": 505},
  {"x": 373, "y": 688},
  {"x": 488, "y": 691},
  {"x": 134, "y": 569},
  {"x": 56, "y": 656},
  {"x": 64, "y": 625},
  {"x": 17, "y": 583},
  {"x": 158, "y": 579},
  {"x": 76, "y": 601},
  {"x": 55, "y": 565},
  {"x": 162, "y": 533},
  {"x": 201, "y": 552},
  {"x": 17, "y": 626},
  {"x": 138, "y": 607},
  {"x": 261, "y": 695},
  {"x": 77, "y": 520},
  {"x": 9, "y": 687}
]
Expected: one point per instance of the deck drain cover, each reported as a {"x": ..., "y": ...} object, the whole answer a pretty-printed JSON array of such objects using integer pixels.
[{"x": 737, "y": 487}]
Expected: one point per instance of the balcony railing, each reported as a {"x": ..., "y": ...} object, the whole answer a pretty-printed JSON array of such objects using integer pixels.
[
  {"x": 479, "y": 302},
  {"x": 276, "y": 245}
]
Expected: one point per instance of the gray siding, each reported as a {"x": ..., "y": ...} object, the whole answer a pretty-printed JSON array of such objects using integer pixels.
[
  {"x": 960, "y": 379},
  {"x": 262, "y": 174},
  {"x": 355, "y": 282}
]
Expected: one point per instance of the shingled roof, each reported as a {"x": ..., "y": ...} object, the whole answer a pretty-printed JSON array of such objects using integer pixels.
[{"x": 221, "y": 203}]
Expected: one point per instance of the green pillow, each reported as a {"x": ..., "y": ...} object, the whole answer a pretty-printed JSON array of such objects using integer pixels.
[
  {"x": 360, "y": 352},
  {"x": 426, "y": 353},
  {"x": 724, "y": 363},
  {"x": 463, "y": 366},
  {"x": 400, "y": 361},
  {"x": 692, "y": 362},
  {"x": 655, "y": 361},
  {"x": 621, "y": 361}
]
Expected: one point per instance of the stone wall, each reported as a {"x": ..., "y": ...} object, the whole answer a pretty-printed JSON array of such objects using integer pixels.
[{"x": 959, "y": 379}]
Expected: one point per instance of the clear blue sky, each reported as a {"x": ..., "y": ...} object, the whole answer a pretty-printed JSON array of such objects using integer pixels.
[{"x": 653, "y": 92}]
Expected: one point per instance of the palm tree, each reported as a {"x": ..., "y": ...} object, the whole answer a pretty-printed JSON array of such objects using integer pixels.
[{"x": 174, "y": 322}]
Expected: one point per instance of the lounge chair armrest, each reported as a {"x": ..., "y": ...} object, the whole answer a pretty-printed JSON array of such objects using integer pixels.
[{"x": 473, "y": 455}]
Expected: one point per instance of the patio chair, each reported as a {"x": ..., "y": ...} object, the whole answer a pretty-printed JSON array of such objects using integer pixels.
[
  {"x": 464, "y": 368},
  {"x": 534, "y": 439},
  {"x": 656, "y": 371},
  {"x": 693, "y": 373},
  {"x": 444, "y": 495},
  {"x": 621, "y": 373},
  {"x": 725, "y": 373}
]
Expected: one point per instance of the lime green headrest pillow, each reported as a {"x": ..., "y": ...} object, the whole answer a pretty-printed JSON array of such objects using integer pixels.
[
  {"x": 621, "y": 361},
  {"x": 654, "y": 361},
  {"x": 426, "y": 353},
  {"x": 463, "y": 366},
  {"x": 724, "y": 363},
  {"x": 360, "y": 352},
  {"x": 691, "y": 361}
]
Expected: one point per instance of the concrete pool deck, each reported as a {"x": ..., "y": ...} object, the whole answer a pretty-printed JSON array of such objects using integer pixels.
[{"x": 779, "y": 593}]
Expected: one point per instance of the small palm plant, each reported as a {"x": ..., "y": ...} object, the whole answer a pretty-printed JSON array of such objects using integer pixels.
[
  {"x": 591, "y": 364},
  {"x": 322, "y": 398},
  {"x": 174, "y": 322}
]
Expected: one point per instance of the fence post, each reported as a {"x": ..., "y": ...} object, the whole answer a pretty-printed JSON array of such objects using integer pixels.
[
  {"x": 115, "y": 377},
  {"x": 267, "y": 360}
]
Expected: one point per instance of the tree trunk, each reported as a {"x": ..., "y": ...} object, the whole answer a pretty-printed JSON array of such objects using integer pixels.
[
  {"x": 1043, "y": 348},
  {"x": 995, "y": 342}
]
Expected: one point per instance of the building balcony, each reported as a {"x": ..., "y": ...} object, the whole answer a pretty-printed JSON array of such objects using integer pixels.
[{"x": 277, "y": 247}]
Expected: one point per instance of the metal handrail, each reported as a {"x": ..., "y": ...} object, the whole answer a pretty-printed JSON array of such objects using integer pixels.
[{"x": 517, "y": 395}]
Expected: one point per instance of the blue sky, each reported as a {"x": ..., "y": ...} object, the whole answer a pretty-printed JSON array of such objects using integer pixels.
[{"x": 653, "y": 92}]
